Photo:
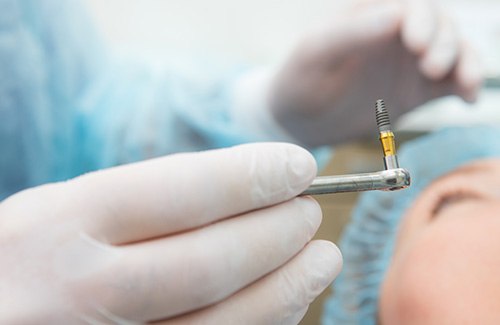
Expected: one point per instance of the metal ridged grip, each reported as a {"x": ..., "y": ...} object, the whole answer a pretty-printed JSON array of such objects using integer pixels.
[{"x": 385, "y": 180}]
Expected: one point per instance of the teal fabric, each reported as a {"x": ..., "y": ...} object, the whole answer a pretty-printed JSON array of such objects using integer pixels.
[
  {"x": 368, "y": 241},
  {"x": 44, "y": 67},
  {"x": 67, "y": 107}
]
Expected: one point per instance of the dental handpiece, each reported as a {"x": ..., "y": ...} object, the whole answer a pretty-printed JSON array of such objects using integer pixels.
[{"x": 391, "y": 179}]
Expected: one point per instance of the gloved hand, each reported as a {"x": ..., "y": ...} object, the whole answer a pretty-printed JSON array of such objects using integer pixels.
[
  {"x": 214, "y": 237},
  {"x": 404, "y": 51}
]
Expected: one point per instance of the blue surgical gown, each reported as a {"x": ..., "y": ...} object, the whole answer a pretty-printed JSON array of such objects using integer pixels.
[{"x": 68, "y": 107}]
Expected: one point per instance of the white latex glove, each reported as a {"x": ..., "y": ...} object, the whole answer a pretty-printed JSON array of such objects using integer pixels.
[
  {"x": 404, "y": 51},
  {"x": 215, "y": 237}
]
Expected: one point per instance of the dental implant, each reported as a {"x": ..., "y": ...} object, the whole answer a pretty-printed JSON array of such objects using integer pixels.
[
  {"x": 386, "y": 136},
  {"x": 392, "y": 178}
]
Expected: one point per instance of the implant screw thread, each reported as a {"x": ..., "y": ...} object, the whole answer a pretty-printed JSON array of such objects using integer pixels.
[
  {"x": 382, "y": 116},
  {"x": 386, "y": 136}
]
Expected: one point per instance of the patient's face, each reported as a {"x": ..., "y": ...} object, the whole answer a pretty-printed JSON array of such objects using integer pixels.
[{"x": 446, "y": 267}]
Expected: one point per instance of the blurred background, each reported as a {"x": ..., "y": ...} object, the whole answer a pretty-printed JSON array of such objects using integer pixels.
[{"x": 262, "y": 32}]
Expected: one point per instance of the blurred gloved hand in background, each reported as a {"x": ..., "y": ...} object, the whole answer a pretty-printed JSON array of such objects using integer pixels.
[{"x": 405, "y": 51}]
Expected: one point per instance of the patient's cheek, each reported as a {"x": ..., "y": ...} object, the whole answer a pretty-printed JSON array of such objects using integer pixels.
[
  {"x": 408, "y": 295},
  {"x": 448, "y": 275}
]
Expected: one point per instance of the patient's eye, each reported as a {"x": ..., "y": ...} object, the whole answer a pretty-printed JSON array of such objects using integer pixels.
[{"x": 452, "y": 197}]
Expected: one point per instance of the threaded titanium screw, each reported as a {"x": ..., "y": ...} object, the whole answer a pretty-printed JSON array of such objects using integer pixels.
[
  {"x": 385, "y": 135},
  {"x": 382, "y": 116}
]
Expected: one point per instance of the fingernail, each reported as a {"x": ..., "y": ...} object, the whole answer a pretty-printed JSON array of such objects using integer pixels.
[
  {"x": 301, "y": 166},
  {"x": 384, "y": 17},
  {"x": 327, "y": 262},
  {"x": 312, "y": 211},
  {"x": 417, "y": 34},
  {"x": 433, "y": 69},
  {"x": 471, "y": 86}
]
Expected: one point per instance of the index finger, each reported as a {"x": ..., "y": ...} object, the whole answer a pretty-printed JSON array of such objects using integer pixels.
[
  {"x": 175, "y": 193},
  {"x": 419, "y": 25}
]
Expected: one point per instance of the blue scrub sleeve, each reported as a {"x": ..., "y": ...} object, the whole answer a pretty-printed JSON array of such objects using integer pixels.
[
  {"x": 67, "y": 107},
  {"x": 48, "y": 56}
]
